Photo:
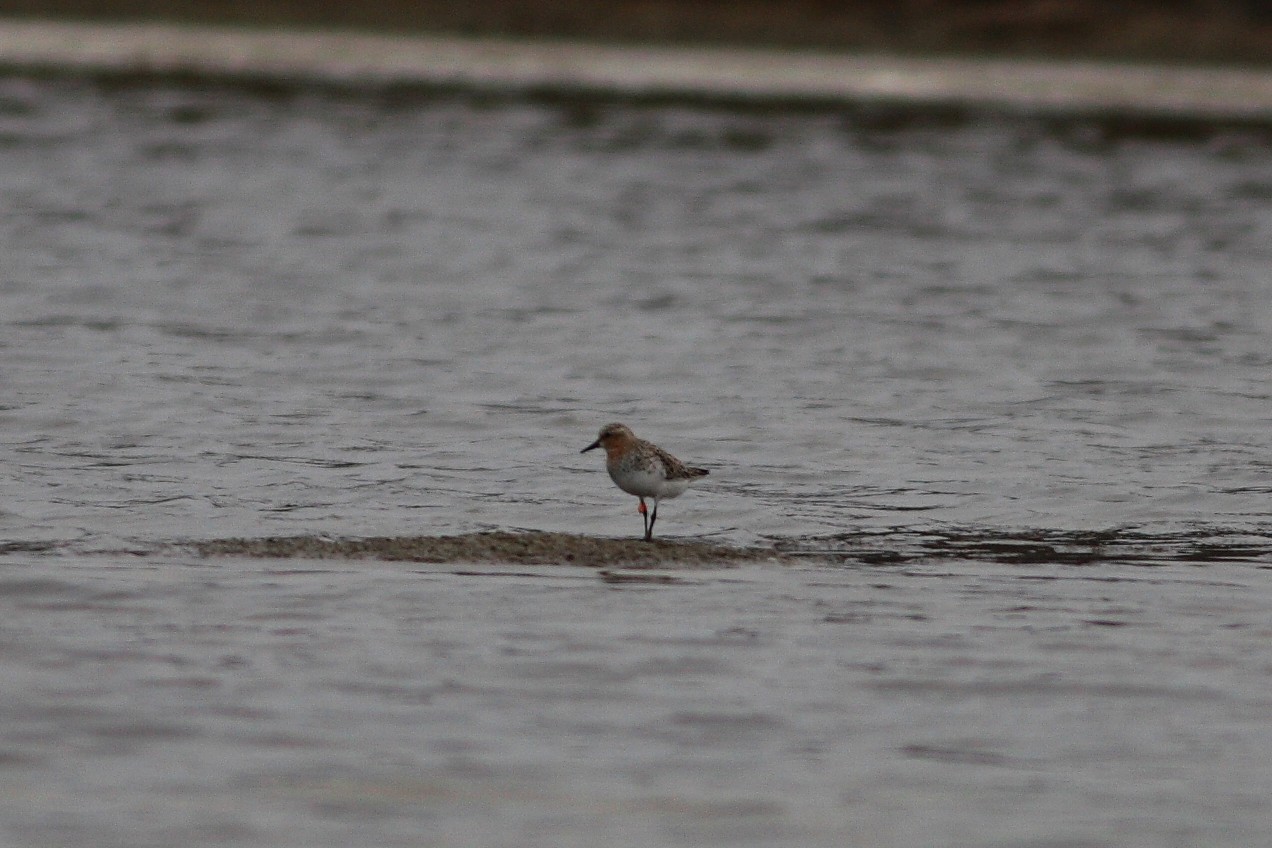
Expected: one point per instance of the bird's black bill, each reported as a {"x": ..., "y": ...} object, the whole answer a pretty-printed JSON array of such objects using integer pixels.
[{"x": 595, "y": 444}]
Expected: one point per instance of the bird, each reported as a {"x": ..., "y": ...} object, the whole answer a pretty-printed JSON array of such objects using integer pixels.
[{"x": 643, "y": 469}]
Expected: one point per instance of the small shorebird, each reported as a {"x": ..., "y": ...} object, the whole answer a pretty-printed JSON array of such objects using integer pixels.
[{"x": 643, "y": 469}]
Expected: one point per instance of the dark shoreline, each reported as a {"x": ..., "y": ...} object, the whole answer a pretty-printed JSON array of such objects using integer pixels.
[
  {"x": 1229, "y": 33},
  {"x": 1116, "y": 100},
  {"x": 519, "y": 548}
]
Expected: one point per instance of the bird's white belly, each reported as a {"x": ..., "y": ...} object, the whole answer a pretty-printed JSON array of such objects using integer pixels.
[{"x": 647, "y": 484}]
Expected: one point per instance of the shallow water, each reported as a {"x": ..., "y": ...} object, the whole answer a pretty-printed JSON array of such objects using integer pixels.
[
  {"x": 227, "y": 314},
  {"x": 1004, "y": 384}
]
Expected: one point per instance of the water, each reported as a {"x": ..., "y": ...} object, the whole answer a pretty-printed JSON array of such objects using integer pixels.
[{"x": 1007, "y": 382}]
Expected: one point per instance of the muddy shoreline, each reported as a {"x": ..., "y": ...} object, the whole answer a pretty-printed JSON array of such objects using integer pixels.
[
  {"x": 1208, "y": 33},
  {"x": 902, "y": 546},
  {"x": 528, "y": 548},
  {"x": 1139, "y": 100}
]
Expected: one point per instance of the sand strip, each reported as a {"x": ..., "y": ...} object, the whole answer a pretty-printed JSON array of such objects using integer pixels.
[{"x": 712, "y": 74}]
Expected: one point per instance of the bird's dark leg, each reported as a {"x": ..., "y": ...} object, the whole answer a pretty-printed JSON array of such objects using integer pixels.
[
  {"x": 653, "y": 516},
  {"x": 644, "y": 514}
]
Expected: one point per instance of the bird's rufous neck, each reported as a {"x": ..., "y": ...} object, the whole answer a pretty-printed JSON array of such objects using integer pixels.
[{"x": 617, "y": 446}]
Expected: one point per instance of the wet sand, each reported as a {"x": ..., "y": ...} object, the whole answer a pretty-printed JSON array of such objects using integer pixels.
[
  {"x": 1223, "y": 32},
  {"x": 514, "y": 548},
  {"x": 771, "y": 78}
]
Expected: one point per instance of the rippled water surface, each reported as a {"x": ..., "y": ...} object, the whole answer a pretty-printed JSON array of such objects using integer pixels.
[{"x": 1006, "y": 385}]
